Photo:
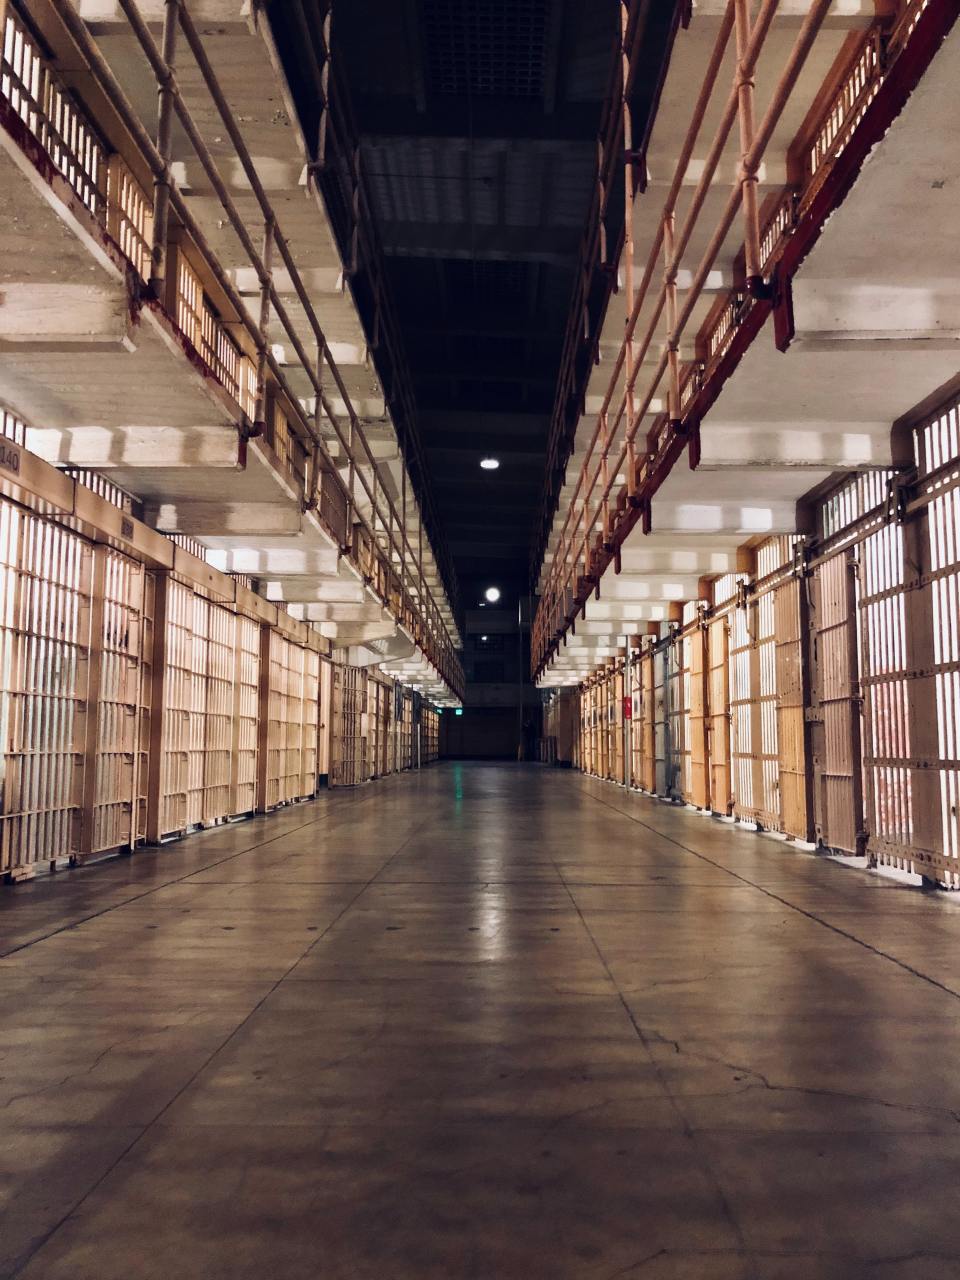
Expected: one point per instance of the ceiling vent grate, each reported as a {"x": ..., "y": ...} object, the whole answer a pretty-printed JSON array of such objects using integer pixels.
[
  {"x": 491, "y": 48},
  {"x": 488, "y": 284}
]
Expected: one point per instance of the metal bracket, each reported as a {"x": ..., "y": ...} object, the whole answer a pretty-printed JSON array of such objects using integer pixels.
[
  {"x": 759, "y": 289},
  {"x": 898, "y": 494},
  {"x": 801, "y": 558}
]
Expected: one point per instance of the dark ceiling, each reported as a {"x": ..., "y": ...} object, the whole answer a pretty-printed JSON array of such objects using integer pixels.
[{"x": 478, "y": 121}]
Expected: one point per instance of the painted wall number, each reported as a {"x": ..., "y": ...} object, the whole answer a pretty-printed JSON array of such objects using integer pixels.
[{"x": 9, "y": 457}]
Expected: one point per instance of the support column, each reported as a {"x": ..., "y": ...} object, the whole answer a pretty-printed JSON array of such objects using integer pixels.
[
  {"x": 234, "y": 801},
  {"x": 158, "y": 709},
  {"x": 263, "y": 720},
  {"x": 161, "y": 197},
  {"x": 91, "y": 734},
  {"x": 628, "y": 720},
  {"x": 922, "y": 714},
  {"x": 748, "y": 171},
  {"x": 266, "y": 284},
  {"x": 627, "y": 255}
]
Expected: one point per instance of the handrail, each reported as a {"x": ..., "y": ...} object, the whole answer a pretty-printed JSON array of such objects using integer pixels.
[
  {"x": 594, "y": 512},
  {"x": 359, "y": 240},
  {"x": 616, "y": 143},
  {"x": 436, "y": 640}
]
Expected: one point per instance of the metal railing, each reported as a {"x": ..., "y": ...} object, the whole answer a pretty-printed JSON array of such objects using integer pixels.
[
  {"x": 242, "y": 361},
  {"x": 607, "y": 235},
  {"x": 36, "y": 95},
  {"x": 601, "y": 503},
  {"x": 339, "y": 174}
]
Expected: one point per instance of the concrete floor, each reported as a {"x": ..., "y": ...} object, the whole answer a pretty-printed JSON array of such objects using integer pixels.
[{"x": 488, "y": 1022}]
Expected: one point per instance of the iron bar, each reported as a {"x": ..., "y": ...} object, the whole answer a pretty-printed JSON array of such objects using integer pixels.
[
  {"x": 739, "y": 104},
  {"x": 162, "y": 180},
  {"x": 164, "y": 73}
]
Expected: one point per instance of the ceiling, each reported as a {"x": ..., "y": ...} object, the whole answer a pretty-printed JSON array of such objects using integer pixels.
[{"x": 478, "y": 121}]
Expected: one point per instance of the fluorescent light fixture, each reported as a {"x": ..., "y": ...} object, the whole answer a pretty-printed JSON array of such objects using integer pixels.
[
  {"x": 492, "y": 594},
  {"x": 489, "y": 464}
]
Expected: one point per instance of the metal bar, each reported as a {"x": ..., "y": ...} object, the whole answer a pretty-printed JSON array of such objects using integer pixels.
[
  {"x": 159, "y": 710},
  {"x": 162, "y": 180},
  {"x": 753, "y": 144},
  {"x": 91, "y": 744},
  {"x": 164, "y": 73},
  {"x": 748, "y": 175},
  {"x": 266, "y": 285}
]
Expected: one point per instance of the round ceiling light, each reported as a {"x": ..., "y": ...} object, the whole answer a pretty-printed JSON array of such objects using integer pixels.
[
  {"x": 492, "y": 594},
  {"x": 489, "y": 464}
]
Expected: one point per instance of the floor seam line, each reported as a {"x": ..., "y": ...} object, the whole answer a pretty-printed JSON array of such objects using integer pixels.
[
  {"x": 688, "y": 1129},
  {"x": 842, "y": 933},
  {"x": 138, "y": 897},
  {"x": 157, "y": 1119}
]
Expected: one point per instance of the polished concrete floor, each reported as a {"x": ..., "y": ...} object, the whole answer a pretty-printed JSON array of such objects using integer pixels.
[{"x": 486, "y": 1022}]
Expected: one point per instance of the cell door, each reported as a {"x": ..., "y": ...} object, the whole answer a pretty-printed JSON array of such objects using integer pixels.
[
  {"x": 603, "y": 726},
  {"x": 634, "y": 728},
  {"x": 744, "y": 729},
  {"x": 699, "y": 792},
  {"x": 835, "y": 711},
  {"x": 660, "y": 727},
  {"x": 789, "y": 631},
  {"x": 718, "y": 678},
  {"x": 348, "y": 765},
  {"x": 246, "y": 702},
  {"x": 122, "y": 586},
  {"x": 616, "y": 725},
  {"x": 648, "y": 751},
  {"x": 674, "y": 726}
]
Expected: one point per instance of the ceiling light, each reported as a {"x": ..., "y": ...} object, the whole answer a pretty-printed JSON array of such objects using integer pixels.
[
  {"x": 483, "y": 639},
  {"x": 492, "y": 594},
  {"x": 489, "y": 464}
]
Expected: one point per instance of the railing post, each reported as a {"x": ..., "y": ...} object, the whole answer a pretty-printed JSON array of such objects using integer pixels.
[
  {"x": 112, "y": 171},
  {"x": 352, "y": 472},
  {"x": 324, "y": 91},
  {"x": 355, "y": 214},
  {"x": 311, "y": 498},
  {"x": 158, "y": 710},
  {"x": 263, "y": 721},
  {"x": 627, "y": 257},
  {"x": 587, "y": 558},
  {"x": 266, "y": 285},
  {"x": 670, "y": 288},
  {"x": 420, "y": 550},
  {"x": 605, "y": 475},
  {"x": 161, "y": 199},
  {"x": 748, "y": 170},
  {"x": 403, "y": 534},
  {"x": 91, "y": 739},
  {"x": 628, "y": 720}
]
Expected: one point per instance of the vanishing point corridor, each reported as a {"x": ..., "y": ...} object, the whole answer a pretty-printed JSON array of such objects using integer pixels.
[
  {"x": 479, "y": 640},
  {"x": 483, "y": 1021}
]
